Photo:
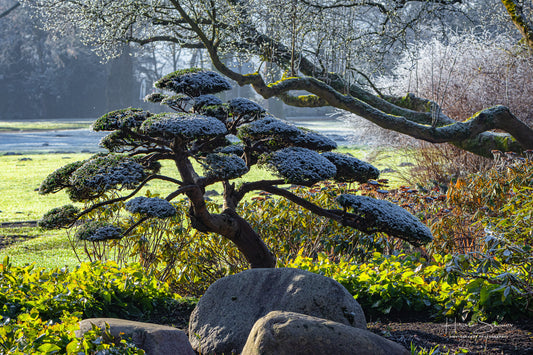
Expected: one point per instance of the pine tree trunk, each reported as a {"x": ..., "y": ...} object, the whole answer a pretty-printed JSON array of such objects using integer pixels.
[{"x": 250, "y": 243}]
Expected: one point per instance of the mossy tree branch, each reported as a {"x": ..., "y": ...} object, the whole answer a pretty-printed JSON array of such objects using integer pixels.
[{"x": 522, "y": 23}]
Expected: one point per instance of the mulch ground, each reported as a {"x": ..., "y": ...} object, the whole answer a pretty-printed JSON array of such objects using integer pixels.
[{"x": 479, "y": 338}]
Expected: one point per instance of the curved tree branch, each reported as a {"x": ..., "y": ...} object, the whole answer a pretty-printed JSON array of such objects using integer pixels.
[
  {"x": 522, "y": 23},
  {"x": 133, "y": 193}
]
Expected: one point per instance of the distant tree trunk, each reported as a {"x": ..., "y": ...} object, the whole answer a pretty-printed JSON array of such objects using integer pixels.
[
  {"x": 5, "y": 13},
  {"x": 120, "y": 88}
]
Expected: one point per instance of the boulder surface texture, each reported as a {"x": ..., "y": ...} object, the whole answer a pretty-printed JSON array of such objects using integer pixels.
[
  {"x": 226, "y": 313},
  {"x": 154, "y": 339},
  {"x": 288, "y": 333}
]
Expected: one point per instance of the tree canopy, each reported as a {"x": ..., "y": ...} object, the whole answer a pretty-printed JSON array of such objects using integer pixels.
[
  {"x": 326, "y": 49},
  {"x": 226, "y": 140}
]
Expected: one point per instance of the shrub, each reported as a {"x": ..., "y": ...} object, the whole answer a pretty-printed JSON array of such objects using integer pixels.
[
  {"x": 29, "y": 334},
  {"x": 40, "y": 309},
  {"x": 173, "y": 251},
  {"x": 92, "y": 289},
  {"x": 408, "y": 285}
]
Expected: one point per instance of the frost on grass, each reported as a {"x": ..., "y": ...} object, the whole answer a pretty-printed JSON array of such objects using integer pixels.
[
  {"x": 313, "y": 140},
  {"x": 59, "y": 217},
  {"x": 384, "y": 216},
  {"x": 185, "y": 126},
  {"x": 104, "y": 173},
  {"x": 267, "y": 127},
  {"x": 301, "y": 166},
  {"x": 151, "y": 207},
  {"x": 241, "y": 106},
  {"x": 350, "y": 169},
  {"x": 97, "y": 231},
  {"x": 218, "y": 166},
  {"x": 119, "y": 119},
  {"x": 59, "y": 179},
  {"x": 193, "y": 82}
]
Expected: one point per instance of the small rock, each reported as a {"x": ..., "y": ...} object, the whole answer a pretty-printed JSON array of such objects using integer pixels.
[
  {"x": 289, "y": 333},
  {"x": 154, "y": 339},
  {"x": 25, "y": 159}
]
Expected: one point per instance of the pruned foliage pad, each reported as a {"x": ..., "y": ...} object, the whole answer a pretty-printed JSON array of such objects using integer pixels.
[{"x": 203, "y": 131}]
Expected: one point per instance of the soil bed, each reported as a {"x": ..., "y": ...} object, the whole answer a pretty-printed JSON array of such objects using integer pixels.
[
  {"x": 480, "y": 338},
  {"x": 455, "y": 338}
]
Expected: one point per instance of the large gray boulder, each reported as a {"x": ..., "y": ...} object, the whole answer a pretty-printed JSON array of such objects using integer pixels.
[
  {"x": 154, "y": 339},
  {"x": 226, "y": 313},
  {"x": 288, "y": 333}
]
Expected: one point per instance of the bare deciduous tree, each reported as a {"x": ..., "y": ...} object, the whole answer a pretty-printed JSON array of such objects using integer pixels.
[{"x": 326, "y": 48}]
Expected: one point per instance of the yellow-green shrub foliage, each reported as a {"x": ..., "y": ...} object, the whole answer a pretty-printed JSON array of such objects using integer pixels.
[{"x": 190, "y": 260}]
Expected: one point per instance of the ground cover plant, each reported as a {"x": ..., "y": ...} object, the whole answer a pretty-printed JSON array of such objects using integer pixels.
[{"x": 41, "y": 307}]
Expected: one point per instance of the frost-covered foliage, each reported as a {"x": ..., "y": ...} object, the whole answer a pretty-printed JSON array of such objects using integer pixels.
[
  {"x": 175, "y": 100},
  {"x": 116, "y": 141},
  {"x": 202, "y": 129},
  {"x": 59, "y": 217},
  {"x": 267, "y": 127},
  {"x": 103, "y": 173},
  {"x": 241, "y": 106},
  {"x": 97, "y": 231},
  {"x": 219, "y": 166},
  {"x": 185, "y": 126},
  {"x": 350, "y": 169},
  {"x": 119, "y": 119},
  {"x": 210, "y": 105},
  {"x": 193, "y": 82},
  {"x": 151, "y": 207},
  {"x": 469, "y": 72},
  {"x": 384, "y": 216},
  {"x": 59, "y": 179},
  {"x": 206, "y": 100},
  {"x": 313, "y": 140},
  {"x": 236, "y": 149},
  {"x": 155, "y": 97},
  {"x": 301, "y": 166}
]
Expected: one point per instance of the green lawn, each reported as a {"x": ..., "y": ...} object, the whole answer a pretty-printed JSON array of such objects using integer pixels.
[
  {"x": 17, "y": 126},
  {"x": 48, "y": 249}
]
